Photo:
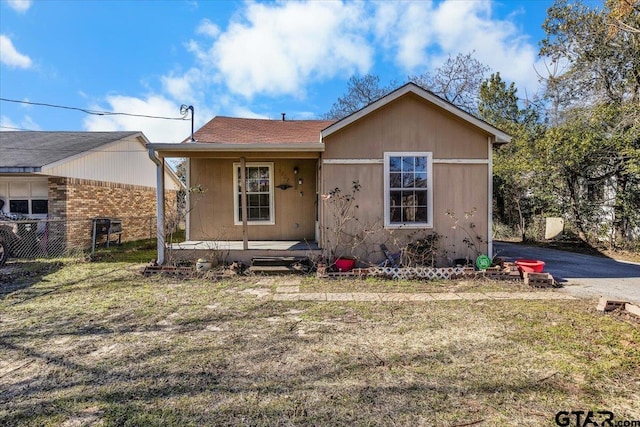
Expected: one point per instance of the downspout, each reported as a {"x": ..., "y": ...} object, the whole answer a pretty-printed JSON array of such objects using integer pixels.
[
  {"x": 159, "y": 204},
  {"x": 490, "y": 201}
]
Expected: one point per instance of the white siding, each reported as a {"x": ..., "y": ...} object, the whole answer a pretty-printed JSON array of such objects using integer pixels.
[
  {"x": 125, "y": 161},
  {"x": 23, "y": 188}
]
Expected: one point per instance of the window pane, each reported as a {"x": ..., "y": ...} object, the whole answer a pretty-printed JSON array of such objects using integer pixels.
[
  {"x": 421, "y": 214},
  {"x": 407, "y": 164},
  {"x": 396, "y": 198},
  {"x": 395, "y": 180},
  {"x": 408, "y": 198},
  {"x": 252, "y": 186},
  {"x": 264, "y": 200},
  {"x": 421, "y": 180},
  {"x": 253, "y": 214},
  {"x": 407, "y": 180},
  {"x": 394, "y": 164},
  {"x": 263, "y": 186},
  {"x": 395, "y": 215},
  {"x": 421, "y": 164},
  {"x": 39, "y": 207},
  {"x": 19, "y": 206},
  {"x": 421, "y": 198}
]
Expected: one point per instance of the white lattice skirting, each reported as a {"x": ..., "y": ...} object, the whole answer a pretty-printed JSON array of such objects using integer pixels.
[{"x": 429, "y": 273}]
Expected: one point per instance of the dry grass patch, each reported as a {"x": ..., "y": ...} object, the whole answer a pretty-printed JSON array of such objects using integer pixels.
[{"x": 98, "y": 344}]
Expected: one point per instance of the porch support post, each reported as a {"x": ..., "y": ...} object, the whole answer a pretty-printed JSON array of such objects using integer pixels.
[
  {"x": 490, "y": 200},
  {"x": 243, "y": 200},
  {"x": 159, "y": 203}
]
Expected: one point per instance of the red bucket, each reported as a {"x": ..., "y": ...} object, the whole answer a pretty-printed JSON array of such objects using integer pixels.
[
  {"x": 530, "y": 265},
  {"x": 345, "y": 264}
]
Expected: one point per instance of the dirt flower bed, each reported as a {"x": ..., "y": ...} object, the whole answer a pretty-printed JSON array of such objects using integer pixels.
[{"x": 99, "y": 344}]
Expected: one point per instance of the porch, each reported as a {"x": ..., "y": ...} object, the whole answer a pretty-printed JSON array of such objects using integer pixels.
[{"x": 233, "y": 250}]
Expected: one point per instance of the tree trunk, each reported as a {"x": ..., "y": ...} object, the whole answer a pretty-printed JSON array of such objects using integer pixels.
[{"x": 574, "y": 202}]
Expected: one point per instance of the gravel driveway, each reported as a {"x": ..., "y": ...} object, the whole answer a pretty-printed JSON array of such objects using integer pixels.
[{"x": 582, "y": 275}]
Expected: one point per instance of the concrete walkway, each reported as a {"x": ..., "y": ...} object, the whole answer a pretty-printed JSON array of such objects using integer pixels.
[{"x": 292, "y": 293}]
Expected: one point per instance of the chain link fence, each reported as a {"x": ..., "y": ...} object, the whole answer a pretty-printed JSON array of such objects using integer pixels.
[{"x": 51, "y": 238}]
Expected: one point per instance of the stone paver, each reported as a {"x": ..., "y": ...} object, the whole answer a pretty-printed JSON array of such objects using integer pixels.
[
  {"x": 393, "y": 297},
  {"x": 365, "y": 296},
  {"x": 446, "y": 296},
  {"x": 313, "y": 296},
  {"x": 291, "y": 293},
  {"x": 471, "y": 295},
  {"x": 287, "y": 289},
  {"x": 332, "y": 296},
  {"x": 286, "y": 297},
  {"x": 421, "y": 297}
]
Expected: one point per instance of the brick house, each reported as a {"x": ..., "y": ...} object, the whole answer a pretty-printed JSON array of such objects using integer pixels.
[{"x": 74, "y": 177}]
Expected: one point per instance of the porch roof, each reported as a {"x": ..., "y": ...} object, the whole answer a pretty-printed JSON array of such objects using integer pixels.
[{"x": 198, "y": 149}]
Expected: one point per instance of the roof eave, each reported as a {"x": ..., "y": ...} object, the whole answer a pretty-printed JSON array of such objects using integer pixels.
[
  {"x": 21, "y": 169},
  {"x": 227, "y": 147}
]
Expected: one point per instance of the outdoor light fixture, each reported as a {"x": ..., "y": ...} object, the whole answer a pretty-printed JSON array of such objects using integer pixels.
[
  {"x": 300, "y": 181},
  {"x": 183, "y": 110},
  {"x": 295, "y": 170}
]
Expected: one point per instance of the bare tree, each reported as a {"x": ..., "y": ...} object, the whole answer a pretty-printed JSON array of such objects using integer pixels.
[
  {"x": 458, "y": 81},
  {"x": 361, "y": 91}
]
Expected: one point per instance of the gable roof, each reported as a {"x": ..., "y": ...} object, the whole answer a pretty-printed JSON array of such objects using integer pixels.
[
  {"x": 500, "y": 136},
  {"x": 233, "y": 130},
  {"x": 29, "y": 151}
]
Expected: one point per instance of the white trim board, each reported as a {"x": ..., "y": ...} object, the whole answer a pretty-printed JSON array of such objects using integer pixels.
[
  {"x": 462, "y": 161},
  {"x": 381, "y": 161},
  {"x": 352, "y": 161}
]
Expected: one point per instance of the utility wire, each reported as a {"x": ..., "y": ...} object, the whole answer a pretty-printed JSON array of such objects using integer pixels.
[
  {"x": 13, "y": 128},
  {"x": 65, "y": 150},
  {"x": 93, "y": 112}
]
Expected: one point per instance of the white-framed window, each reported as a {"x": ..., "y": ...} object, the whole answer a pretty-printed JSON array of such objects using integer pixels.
[
  {"x": 259, "y": 187},
  {"x": 408, "y": 188},
  {"x": 29, "y": 206}
]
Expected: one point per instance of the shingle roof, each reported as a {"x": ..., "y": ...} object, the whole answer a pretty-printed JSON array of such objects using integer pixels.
[
  {"x": 232, "y": 130},
  {"x": 37, "y": 149}
]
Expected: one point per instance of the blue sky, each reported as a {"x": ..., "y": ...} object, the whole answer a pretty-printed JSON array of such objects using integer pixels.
[{"x": 237, "y": 58}]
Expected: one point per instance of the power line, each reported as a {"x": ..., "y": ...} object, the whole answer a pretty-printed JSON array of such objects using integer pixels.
[
  {"x": 13, "y": 128},
  {"x": 92, "y": 112},
  {"x": 68, "y": 150}
]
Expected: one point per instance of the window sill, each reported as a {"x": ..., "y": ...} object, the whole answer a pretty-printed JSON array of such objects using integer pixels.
[
  {"x": 409, "y": 226},
  {"x": 256, "y": 223}
]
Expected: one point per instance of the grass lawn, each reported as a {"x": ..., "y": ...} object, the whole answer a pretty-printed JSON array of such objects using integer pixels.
[{"x": 85, "y": 344}]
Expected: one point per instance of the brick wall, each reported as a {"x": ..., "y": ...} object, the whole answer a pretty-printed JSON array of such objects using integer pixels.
[{"x": 80, "y": 200}]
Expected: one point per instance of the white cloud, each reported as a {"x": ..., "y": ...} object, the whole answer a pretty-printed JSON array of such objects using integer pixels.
[
  {"x": 185, "y": 88},
  {"x": 278, "y": 48},
  {"x": 422, "y": 36},
  {"x": 157, "y": 130},
  {"x": 208, "y": 28},
  {"x": 246, "y": 112},
  {"x": 10, "y": 56},
  {"x": 19, "y": 6},
  {"x": 403, "y": 29},
  {"x": 26, "y": 123}
]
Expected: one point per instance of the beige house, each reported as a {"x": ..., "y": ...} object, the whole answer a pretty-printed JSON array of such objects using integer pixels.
[{"x": 404, "y": 167}]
